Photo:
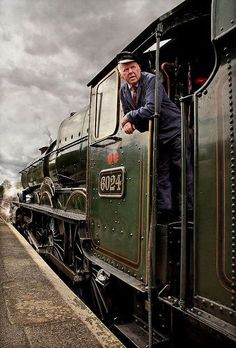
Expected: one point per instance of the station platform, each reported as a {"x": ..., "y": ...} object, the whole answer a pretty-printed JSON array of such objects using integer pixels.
[{"x": 37, "y": 308}]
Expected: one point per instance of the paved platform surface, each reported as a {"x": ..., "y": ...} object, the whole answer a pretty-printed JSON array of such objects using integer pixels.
[{"x": 36, "y": 308}]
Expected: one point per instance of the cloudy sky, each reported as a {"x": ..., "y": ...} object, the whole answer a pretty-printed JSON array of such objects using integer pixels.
[{"x": 50, "y": 50}]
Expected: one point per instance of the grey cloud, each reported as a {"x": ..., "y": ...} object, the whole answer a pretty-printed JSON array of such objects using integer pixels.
[
  {"x": 53, "y": 82},
  {"x": 28, "y": 77},
  {"x": 41, "y": 46}
]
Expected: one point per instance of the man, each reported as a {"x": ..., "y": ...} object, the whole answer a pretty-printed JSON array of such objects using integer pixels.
[{"x": 137, "y": 95}]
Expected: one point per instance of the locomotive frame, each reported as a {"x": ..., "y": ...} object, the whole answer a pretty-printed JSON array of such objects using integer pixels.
[{"x": 89, "y": 201}]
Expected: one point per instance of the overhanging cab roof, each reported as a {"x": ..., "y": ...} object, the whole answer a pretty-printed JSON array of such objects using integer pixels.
[{"x": 187, "y": 11}]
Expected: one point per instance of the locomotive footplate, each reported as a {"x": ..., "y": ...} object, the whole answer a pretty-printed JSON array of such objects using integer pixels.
[
  {"x": 53, "y": 212},
  {"x": 138, "y": 336}
]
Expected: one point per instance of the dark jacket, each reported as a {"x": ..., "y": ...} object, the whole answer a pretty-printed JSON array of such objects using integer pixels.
[{"x": 169, "y": 121}]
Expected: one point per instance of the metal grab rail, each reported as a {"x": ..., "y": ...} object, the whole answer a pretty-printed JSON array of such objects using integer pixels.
[{"x": 184, "y": 194}]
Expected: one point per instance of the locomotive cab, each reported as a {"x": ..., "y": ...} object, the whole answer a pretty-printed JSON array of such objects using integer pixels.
[{"x": 121, "y": 177}]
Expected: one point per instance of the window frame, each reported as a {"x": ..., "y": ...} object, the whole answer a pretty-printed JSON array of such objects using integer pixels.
[{"x": 98, "y": 107}]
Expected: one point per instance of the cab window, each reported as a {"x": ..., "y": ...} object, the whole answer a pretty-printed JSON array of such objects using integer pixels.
[{"x": 106, "y": 106}]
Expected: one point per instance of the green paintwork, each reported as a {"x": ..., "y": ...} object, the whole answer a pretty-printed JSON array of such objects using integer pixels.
[
  {"x": 72, "y": 148},
  {"x": 118, "y": 228},
  {"x": 35, "y": 173},
  {"x": 214, "y": 205}
]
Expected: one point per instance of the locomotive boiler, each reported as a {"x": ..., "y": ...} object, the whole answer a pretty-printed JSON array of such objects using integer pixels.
[{"x": 89, "y": 200}]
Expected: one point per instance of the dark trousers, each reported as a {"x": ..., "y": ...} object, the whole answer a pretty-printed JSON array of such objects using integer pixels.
[{"x": 169, "y": 177}]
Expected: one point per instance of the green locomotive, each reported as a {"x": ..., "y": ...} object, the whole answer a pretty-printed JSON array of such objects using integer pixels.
[{"x": 89, "y": 201}]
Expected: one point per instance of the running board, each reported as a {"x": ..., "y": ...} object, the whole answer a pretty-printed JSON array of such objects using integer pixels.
[
  {"x": 136, "y": 336},
  {"x": 53, "y": 212}
]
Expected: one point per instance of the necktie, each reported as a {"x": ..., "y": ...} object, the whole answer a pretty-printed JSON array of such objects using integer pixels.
[{"x": 134, "y": 94}]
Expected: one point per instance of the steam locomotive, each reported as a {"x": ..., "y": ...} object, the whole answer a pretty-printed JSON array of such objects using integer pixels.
[{"x": 89, "y": 200}]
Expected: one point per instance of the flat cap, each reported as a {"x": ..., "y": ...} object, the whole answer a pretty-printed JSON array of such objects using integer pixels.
[{"x": 126, "y": 57}]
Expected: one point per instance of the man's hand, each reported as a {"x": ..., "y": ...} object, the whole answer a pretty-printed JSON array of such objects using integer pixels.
[
  {"x": 127, "y": 126},
  {"x": 124, "y": 121}
]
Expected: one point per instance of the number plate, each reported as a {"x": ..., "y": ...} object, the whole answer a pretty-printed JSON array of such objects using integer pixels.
[{"x": 111, "y": 182}]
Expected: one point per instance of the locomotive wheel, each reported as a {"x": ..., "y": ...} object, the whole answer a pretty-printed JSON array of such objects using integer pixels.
[
  {"x": 23, "y": 223},
  {"x": 56, "y": 239},
  {"x": 78, "y": 259},
  {"x": 99, "y": 285},
  {"x": 94, "y": 285}
]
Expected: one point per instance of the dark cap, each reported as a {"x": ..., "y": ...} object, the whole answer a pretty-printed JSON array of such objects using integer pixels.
[{"x": 126, "y": 57}]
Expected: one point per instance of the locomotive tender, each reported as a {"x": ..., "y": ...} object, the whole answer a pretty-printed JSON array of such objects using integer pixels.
[{"x": 89, "y": 201}]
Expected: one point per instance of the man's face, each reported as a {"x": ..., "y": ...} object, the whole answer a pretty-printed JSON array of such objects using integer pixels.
[{"x": 130, "y": 72}]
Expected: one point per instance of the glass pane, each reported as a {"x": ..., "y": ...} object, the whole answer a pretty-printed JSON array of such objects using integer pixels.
[{"x": 106, "y": 107}]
